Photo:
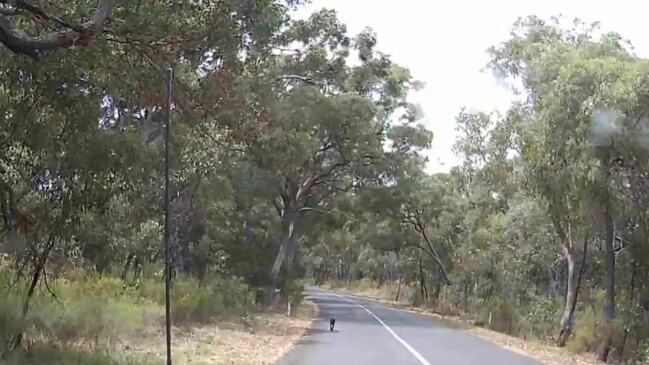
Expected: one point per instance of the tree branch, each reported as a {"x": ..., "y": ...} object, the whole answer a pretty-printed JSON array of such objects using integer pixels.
[
  {"x": 47, "y": 286},
  {"x": 330, "y": 170},
  {"x": 305, "y": 79},
  {"x": 432, "y": 253},
  {"x": 20, "y": 42},
  {"x": 280, "y": 210},
  {"x": 8, "y": 10}
]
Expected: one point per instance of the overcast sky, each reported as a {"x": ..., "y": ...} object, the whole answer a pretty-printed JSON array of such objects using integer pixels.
[{"x": 443, "y": 43}]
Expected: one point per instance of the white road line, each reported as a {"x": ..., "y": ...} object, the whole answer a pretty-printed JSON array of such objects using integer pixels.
[{"x": 410, "y": 349}]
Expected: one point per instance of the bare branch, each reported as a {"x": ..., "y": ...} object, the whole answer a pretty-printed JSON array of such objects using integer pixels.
[
  {"x": 287, "y": 50},
  {"x": 307, "y": 209},
  {"x": 305, "y": 79},
  {"x": 334, "y": 187},
  {"x": 47, "y": 286}
]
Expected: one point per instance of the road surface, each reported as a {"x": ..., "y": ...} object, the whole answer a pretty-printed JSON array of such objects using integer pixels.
[{"x": 367, "y": 332}]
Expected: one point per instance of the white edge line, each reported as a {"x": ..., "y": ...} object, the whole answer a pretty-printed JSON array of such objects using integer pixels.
[{"x": 410, "y": 349}]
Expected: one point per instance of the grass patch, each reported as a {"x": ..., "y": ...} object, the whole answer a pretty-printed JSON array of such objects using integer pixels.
[
  {"x": 91, "y": 315},
  {"x": 51, "y": 356}
]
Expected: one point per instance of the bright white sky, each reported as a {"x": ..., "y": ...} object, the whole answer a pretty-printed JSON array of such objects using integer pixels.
[{"x": 443, "y": 43}]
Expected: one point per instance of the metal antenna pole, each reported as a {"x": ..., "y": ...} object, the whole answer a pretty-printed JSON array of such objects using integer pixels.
[{"x": 170, "y": 75}]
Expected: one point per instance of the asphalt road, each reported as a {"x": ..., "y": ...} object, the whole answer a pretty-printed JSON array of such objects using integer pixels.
[{"x": 367, "y": 332}]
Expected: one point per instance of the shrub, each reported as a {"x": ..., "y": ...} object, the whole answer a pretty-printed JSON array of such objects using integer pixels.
[
  {"x": 293, "y": 290},
  {"x": 584, "y": 332},
  {"x": 89, "y": 318},
  {"x": 539, "y": 319},
  {"x": 10, "y": 318},
  {"x": 334, "y": 284},
  {"x": 408, "y": 294},
  {"x": 502, "y": 314},
  {"x": 220, "y": 297},
  {"x": 642, "y": 353},
  {"x": 365, "y": 284},
  {"x": 589, "y": 331},
  {"x": 100, "y": 310},
  {"x": 95, "y": 310}
]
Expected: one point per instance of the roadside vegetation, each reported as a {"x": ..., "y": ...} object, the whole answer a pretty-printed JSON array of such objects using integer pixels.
[
  {"x": 87, "y": 318},
  {"x": 296, "y": 154},
  {"x": 541, "y": 232},
  {"x": 270, "y": 124}
]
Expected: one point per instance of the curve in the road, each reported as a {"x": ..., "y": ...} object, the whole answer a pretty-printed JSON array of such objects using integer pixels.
[{"x": 370, "y": 333}]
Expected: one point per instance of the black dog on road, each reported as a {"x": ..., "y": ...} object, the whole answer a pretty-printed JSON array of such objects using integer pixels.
[{"x": 332, "y": 322}]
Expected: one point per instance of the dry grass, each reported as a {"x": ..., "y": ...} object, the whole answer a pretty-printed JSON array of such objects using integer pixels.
[
  {"x": 256, "y": 340},
  {"x": 546, "y": 353}
]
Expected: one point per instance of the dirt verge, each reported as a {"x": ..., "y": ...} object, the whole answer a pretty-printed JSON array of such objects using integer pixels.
[{"x": 259, "y": 339}]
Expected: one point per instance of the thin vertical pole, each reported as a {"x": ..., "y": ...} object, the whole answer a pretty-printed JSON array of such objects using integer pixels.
[{"x": 167, "y": 204}]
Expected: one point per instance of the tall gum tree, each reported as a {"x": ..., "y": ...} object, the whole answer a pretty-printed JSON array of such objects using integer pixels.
[
  {"x": 565, "y": 141},
  {"x": 323, "y": 124}
]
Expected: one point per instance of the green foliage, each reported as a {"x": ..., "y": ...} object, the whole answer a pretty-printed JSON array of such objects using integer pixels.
[
  {"x": 538, "y": 319},
  {"x": 541, "y": 185},
  {"x": 591, "y": 329},
  {"x": 642, "y": 354},
  {"x": 499, "y": 315},
  {"x": 217, "y": 298},
  {"x": 93, "y": 310},
  {"x": 288, "y": 158},
  {"x": 293, "y": 291},
  {"x": 10, "y": 319},
  {"x": 99, "y": 311},
  {"x": 585, "y": 338},
  {"x": 365, "y": 284}
]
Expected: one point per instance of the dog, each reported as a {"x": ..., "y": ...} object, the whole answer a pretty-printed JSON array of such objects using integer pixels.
[{"x": 332, "y": 323}]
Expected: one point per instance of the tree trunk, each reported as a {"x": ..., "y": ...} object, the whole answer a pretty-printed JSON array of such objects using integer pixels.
[
  {"x": 465, "y": 300},
  {"x": 39, "y": 266},
  {"x": 126, "y": 267},
  {"x": 30, "y": 293},
  {"x": 608, "y": 311},
  {"x": 438, "y": 288},
  {"x": 137, "y": 268},
  {"x": 201, "y": 273},
  {"x": 632, "y": 296},
  {"x": 282, "y": 257},
  {"x": 422, "y": 283},
  {"x": 564, "y": 335},
  {"x": 396, "y": 297},
  {"x": 567, "y": 320},
  {"x": 275, "y": 270},
  {"x": 432, "y": 252}
]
